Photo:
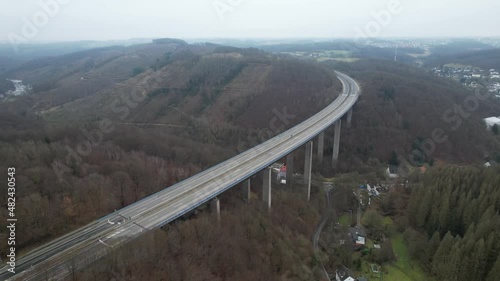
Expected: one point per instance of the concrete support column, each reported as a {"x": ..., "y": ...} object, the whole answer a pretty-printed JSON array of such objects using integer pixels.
[
  {"x": 308, "y": 168},
  {"x": 349, "y": 118},
  {"x": 289, "y": 169},
  {"x": 215, "y": 207},
  {"x": 245, "y": 189},
  {"x": 266, "y": 189},
  {"x": 321, "y": 144},
  {"x": 336, "y": 143}
]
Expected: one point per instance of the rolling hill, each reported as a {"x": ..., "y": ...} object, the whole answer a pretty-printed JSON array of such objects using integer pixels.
[
  {"x": 175, "y": 109},
  {"x": 486, "y": 59},
  {"x": 402, "y": 107},
  {"x": 183, "y": 109}
]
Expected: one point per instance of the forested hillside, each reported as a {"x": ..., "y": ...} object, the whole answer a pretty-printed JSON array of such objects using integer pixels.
[
  {"x": 357, "y": 49},
  {"x": 174, "y": 109},
  {"x": 454, "y": 212},
  {"x": 223, "y": 86},
  {"x": 61, "y": 79},
  {"x": 402, "y": 108},
  {"x": 487, "y": 59},
  {"x": 6, "y": 85},
  {"x": 205, "y": 104},
  {"x": 459, "y": 46}
]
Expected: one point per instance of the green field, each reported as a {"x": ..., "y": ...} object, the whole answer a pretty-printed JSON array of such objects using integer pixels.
[
  {"x": 404, "y": 269},
  {"x": 387, "y": 221},
  {"x": 344, "y": 220}
]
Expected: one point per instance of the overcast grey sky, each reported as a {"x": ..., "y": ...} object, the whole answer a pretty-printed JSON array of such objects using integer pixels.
[{"x": 124, "y": 19}]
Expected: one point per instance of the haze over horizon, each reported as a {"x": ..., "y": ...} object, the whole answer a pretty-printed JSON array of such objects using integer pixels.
[{"x": 125, "y": 19}]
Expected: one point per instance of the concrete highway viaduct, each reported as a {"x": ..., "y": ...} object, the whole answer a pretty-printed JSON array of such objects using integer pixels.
[{"x": 79, "y": 248}]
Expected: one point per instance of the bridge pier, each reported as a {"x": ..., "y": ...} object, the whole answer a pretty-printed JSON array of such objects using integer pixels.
[
  {"x": 266, "y": 189},
  {"x": 349, "y": 118},
  {"x": 308, "y": 167},
  {"x": 215, "y": 207},
  {"x": 321, "y": 144},
  {"x": 289, "y": 169},
  {"x": 336, "y": 143},
  {"x": 245, "y": 189}
]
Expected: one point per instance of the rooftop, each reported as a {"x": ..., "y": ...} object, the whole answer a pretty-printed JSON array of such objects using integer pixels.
[
  {"x": 343, "y": 274},
  {"x": 490, "y": 121}
]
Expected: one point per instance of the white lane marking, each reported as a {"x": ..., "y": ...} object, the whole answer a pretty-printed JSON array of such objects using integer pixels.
[{"x": 102, "y": 242}]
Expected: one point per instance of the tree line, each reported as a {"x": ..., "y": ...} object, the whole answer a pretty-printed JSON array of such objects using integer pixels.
[{"x": 455, "y": 223}]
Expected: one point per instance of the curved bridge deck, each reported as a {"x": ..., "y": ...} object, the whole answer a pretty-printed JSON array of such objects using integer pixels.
[{"x": 85, "y": 245}]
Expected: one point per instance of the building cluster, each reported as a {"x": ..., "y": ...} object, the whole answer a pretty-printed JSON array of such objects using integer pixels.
[
  {"x": 280, "y": 170},
  {"x": 471, "y": 77},
  {"x": 494, "y": 88},
  {"x": 358, "y": 238},
  {"x": 343, "y": 274},
  {"x": 20, "y": 89},
  {"x": 492, "y": 121}
]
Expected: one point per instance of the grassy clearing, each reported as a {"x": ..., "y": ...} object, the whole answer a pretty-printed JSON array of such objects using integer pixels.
[
  {"x": 404, "y": 268},
  {"x": 367, "y": 272},
  {"x": 344, "y": 220},
  {"x": 369, "y": 243},
  {"x": 387, "y": 221},
  {"x": 394, "y": 274}
]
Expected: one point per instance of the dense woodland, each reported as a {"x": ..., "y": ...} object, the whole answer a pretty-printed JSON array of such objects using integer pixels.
[
  {"x": 399, "y": 110},
  {"x": 455, "y": 220},
  {"x": 6, "y": 85},
  {"x": 207, "y": 104},
  {"x": 458, "y": 47},
  {"x": 61, "y": 189},
  {"x": 357, "y": 49},
  {"x": 486, "y": 59},
  {"x": 250, "y": 243}
]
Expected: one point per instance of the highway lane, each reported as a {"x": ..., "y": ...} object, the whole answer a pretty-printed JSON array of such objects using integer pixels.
[
  {"x": 206, "y": 190},
  {"x": 262, "y": 159},
  {"x": 167, "y": 205}
]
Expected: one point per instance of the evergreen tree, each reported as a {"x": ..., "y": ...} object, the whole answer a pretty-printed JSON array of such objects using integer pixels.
[
  {"x": 495, "y": 129},
  {"x": 494, "y": 273},
  {"x": 442, "y": 254},
  {"x": 444, "y": 214},
  {"x": 432, "y": 247},
  {"x": 479, "y": 261},
  {"x": 394, "y": 161},
  {"x": 424, "y": 208},
  {"x": 462, "y": 205},
  {"x": 450, "y": 267}
]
